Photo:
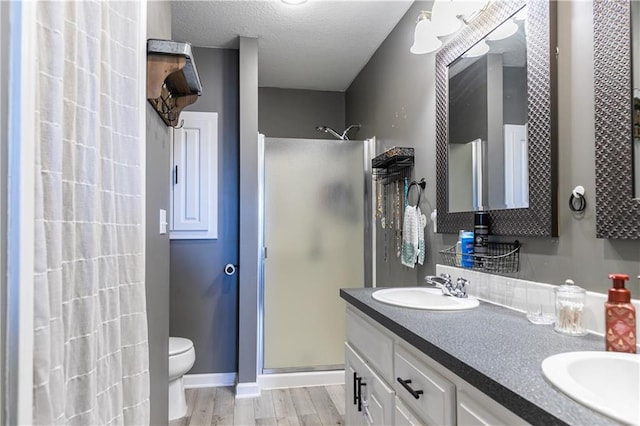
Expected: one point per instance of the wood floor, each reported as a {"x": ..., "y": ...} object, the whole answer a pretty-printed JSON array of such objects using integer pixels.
[{"x": 321, "y": 405}]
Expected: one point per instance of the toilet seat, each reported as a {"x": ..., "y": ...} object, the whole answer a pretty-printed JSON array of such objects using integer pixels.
[{"x": 179, "y": 345}]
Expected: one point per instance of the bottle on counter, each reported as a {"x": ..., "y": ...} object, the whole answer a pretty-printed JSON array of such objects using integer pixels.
[
  {"x": 466, "y": 241},
  {"x": 481, "y": 231},
  {"x": 620, "y": 317}
]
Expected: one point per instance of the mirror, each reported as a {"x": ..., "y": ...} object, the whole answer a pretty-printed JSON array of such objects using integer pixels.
[
  {"x": 487, "y": 158},
  {"x": 520, "y": 193},
  {"x": 635, "y": 41},
  {"x": 617, "y": 201}
]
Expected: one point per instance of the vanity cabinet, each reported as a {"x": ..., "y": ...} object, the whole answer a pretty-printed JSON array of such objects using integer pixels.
[
  {"x": 390, "y": 382},
  {"x": 369, "y": 398}
]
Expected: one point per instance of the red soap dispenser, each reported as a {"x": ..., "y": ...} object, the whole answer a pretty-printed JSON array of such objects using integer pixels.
[{"x": 620, "y": 317}]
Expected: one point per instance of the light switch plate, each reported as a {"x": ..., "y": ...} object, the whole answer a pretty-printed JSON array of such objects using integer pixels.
[{"x": 163, "y": 221}]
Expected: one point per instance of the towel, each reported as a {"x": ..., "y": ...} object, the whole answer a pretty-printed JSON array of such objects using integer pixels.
[{"x": 413, "y": 246}]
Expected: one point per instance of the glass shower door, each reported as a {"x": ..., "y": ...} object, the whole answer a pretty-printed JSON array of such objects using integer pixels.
[{"x": 314, "y": 234}]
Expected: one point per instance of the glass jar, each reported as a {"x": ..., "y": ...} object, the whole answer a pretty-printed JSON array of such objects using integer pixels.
[{"x": 570, "y": 301}]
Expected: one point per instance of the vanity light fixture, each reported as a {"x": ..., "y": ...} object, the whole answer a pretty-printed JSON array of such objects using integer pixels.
[
  {"x": 446, "y": 18},
  {"x": 425, "y": 39}
]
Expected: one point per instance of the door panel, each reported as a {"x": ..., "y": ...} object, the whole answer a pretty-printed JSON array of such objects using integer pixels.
[{"x": 314, "y": 233}]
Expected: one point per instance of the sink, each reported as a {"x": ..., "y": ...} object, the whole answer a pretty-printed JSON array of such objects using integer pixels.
[
  {"x": 423, "y": 298},
  {"x": 608, "y": 382}
]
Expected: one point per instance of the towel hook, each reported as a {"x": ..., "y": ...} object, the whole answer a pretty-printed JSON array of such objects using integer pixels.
[
  {"x": 420, "y": 185},
  {"x": 577, "y": 201}
]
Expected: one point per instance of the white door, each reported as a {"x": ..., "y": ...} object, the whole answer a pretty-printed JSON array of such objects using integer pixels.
[
  {"x": 516, "y": 166},
  {"x": 314, "y": 234},
  {"x": 194, "y": 186}
]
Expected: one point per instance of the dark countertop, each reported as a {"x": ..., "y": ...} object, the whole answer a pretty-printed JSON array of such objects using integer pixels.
[{"x": 493, "y": 348}]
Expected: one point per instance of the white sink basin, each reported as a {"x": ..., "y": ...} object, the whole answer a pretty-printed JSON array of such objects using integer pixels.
[
  {"x": 424, "y": 298},
  {"x": 607, "y": 382}
]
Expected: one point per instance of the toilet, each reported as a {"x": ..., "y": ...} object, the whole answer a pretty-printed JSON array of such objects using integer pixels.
[{"x": 181, "y": 359}]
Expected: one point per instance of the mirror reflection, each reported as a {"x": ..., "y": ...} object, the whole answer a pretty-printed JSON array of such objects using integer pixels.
[
  {"x": 487, "y": 146},
  {"x": 635, "y": 47}
]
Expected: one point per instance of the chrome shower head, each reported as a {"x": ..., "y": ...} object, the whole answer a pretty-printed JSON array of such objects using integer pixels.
[{"x": 329, "y": 130}]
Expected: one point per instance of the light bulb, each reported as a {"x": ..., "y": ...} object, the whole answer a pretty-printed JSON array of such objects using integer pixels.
[
  {"x": 443, "y": 18},
  {"x": 478, "y": 49},
  {"x": 505, "y": 30},
  {"x": 293, "y": 2},
  {"x": 424, "y": 38}
]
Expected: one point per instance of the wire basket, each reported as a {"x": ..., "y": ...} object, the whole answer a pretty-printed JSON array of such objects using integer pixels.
[{"x": 501, "y": 257}]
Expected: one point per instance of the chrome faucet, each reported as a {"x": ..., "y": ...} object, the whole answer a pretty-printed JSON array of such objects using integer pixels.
[{"x": 446, "y": 285}]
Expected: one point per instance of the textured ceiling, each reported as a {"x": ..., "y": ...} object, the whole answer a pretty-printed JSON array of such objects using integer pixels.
[{"x": 319, "y": 45}]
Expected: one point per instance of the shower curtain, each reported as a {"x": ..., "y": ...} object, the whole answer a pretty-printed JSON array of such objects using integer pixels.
[{"x": 90, "y": 336}]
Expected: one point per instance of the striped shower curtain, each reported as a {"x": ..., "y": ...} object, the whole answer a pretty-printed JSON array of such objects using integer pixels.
[{"x": 90, "y": 337}]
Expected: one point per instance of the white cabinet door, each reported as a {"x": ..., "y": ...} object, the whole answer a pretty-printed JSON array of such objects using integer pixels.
[
  {"x": 352, "y": 366},
  {"x": 369, "y": 401},
  {"x": 194, "y": 195}
]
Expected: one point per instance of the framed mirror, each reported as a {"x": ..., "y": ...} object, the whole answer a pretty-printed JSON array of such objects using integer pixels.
[
  {"x": 496, "y": 126},
  {"x": 616, "y": 78}
]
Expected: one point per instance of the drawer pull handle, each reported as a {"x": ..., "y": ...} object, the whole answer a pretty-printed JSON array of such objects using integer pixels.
[
  {"x": 355, "y": 388},
  {"x": 360, "y": 384},
  {"x": 405, "y": 384}
]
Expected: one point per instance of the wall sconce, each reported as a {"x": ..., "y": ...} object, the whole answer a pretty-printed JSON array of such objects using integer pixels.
[
  {"x": 446, "y": 17},
  {"x": 505, "y": 30},
  {"x": 425, "y": 39}
]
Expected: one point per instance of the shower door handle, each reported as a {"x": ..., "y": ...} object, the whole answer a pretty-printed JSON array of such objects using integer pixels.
[{"x": 175, "y": 175}]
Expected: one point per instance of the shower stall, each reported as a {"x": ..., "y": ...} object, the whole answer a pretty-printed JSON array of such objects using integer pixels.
[{"x": 316, "y": 201}]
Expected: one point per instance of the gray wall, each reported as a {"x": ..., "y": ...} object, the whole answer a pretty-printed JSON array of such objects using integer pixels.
[
  {"x": 468, "y": 100},
  {"x": 394, "y": 98},
  {"x": 157, "y": 246},
  {"x": 249, "y": 223},
  {"x": 203, "y": 299},
  {"x": 515, "y": 103},
  {"x": 294, "y": 113}
]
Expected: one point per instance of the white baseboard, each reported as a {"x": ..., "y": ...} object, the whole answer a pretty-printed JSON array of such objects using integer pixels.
[
  {"x": 247, "y": 390},
  {"x": 304, "y": 379},
  {"x": 212, "y": 380}
]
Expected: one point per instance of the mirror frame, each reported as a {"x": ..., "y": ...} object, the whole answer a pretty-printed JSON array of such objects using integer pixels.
[
  {"x": 617, "y": 212},
  {"x": 541, "y": 217}
]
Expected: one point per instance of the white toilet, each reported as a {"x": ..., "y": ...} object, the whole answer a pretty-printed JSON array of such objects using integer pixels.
[{"x": 181, "y": 359}]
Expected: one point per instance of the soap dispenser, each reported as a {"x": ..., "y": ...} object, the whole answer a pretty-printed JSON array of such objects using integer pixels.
[{"x": 620, "y": 317}]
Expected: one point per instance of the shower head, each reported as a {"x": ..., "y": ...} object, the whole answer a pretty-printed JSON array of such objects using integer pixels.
[
  {"x": 342, "y": 136},
  {"x": 353, "y": 126},
  {"x": 329, "y": 130}
]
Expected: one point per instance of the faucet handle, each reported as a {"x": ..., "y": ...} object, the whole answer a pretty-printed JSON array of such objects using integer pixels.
[
  {"x": 446, "y": 277},
  {"x": 461, "y": 284}
]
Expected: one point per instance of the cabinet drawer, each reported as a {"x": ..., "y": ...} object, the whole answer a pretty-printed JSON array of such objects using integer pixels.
[
  {"x": 475, "y": 409},
  {"x": 404, "y": 416},
  {"x": 376, "y": 346},
  {"x": 433, "y": 399}
]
